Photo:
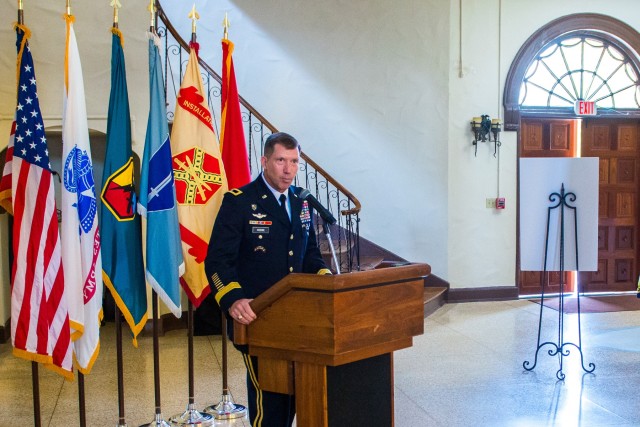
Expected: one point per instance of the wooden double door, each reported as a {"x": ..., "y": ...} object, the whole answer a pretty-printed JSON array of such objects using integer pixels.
[{"x": 616, "y": 144}]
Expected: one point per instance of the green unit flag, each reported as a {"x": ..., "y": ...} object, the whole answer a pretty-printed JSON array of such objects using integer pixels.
[{"x": 122, "y": 262}]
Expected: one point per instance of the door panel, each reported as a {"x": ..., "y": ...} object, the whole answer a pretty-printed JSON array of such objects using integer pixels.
[
  {"x": 546, "y": 138},
  {"x": 615, "y": 142}
]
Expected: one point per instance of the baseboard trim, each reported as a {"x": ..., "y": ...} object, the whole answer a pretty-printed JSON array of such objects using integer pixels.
[
  {"x": 172, "y": 323},
  {"x": 493, "y": 293},
  {"x": 167, "y": 322},
  {"x": 434, "y": 281}
]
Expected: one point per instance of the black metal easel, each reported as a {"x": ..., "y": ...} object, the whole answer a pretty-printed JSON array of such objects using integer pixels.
[{"x": 560, "y": 348}]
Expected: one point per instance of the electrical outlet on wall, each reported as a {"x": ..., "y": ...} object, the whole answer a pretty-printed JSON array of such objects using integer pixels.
[{"x": 490, "y": 203}]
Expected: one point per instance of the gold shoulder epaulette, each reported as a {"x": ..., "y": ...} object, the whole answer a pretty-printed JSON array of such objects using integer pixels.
[{"x": 235, "y": 191}]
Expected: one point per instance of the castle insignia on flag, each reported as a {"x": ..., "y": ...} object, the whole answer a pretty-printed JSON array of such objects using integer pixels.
[{"x": 197, "y": 176}]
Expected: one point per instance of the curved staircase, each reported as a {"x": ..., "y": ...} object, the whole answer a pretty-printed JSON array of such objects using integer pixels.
[{"x": 353, "y": 252}]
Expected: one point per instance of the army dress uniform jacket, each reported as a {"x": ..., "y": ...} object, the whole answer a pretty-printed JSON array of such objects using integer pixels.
[{"x": 253, "y": 244}]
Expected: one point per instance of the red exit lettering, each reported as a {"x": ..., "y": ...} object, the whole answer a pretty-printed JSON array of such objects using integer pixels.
[{"x": 585, "y": 108}]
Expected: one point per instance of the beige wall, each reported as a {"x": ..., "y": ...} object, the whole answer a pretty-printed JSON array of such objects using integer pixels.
[
  {"x": 482, "y": 242},
  {"x": 93, "y": 31},
  {"x": 371, "y": 88}
]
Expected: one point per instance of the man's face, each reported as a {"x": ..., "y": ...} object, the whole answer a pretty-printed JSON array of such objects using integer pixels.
[{"x": 281, "y": 167}]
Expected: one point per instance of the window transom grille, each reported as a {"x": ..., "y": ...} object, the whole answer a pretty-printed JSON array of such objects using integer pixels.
[{"x": 580, "y": 68}]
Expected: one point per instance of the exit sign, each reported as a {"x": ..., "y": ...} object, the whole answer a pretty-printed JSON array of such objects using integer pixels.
[{"x": 585, "y": 108}]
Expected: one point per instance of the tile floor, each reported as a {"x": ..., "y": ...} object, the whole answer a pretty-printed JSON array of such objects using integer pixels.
[{"x": 466, "y": 370}]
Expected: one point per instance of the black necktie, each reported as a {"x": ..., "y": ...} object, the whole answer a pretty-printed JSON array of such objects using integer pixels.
[{"x": 283, "y": 206}]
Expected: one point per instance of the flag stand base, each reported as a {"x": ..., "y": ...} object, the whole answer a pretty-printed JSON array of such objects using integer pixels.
[
  {"x": 192, "y": 418},
  {"x": 158, "y": 422},
  {"x": 226, "y": 409}
]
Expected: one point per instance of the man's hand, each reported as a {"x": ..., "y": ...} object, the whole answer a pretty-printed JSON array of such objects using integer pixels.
[{"x": 241, "y": 311}]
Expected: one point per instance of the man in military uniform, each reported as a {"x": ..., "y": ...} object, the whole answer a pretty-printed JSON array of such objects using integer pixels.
[{"x": 262, "y": 233}]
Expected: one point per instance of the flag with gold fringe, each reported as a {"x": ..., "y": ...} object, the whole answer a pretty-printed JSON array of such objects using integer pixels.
[
  {"x": 199, "y": 176},
  {"x": 40, "y": 328},
  {"x": 158, "y": 194},
  {"x": 80, "y": 234},
  {"x": 122, "y": 263},
  {"x": 232, "y": 142}
]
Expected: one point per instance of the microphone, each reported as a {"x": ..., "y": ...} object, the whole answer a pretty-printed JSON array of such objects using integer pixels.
[{"x": 324, "y": 212}]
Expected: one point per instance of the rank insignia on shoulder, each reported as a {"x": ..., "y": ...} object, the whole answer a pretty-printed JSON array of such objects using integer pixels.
[{"x": 235, "y": 191}]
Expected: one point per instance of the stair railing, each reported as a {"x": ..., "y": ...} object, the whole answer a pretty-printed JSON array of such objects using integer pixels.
[{"x": 346, "y": 233}]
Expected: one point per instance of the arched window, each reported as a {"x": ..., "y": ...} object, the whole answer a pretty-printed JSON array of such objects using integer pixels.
[
  {"x": 586, "y": 56},
  {"x": 585, "y": 68}
]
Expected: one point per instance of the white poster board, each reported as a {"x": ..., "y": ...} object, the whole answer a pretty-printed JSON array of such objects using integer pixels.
[{"x": 539, "y": 179}]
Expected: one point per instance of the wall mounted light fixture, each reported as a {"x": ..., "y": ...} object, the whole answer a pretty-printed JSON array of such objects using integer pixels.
[{"x": 483, "y": 127}]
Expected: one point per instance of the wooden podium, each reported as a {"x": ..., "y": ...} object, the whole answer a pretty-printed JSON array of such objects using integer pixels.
[{"x": 330, "y": 340}]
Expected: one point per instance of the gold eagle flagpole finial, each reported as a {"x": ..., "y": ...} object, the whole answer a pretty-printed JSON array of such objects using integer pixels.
[
  {"x": 194, "y": 16},
  {"x": 152, "y": 10},
  {"x": 226, "y": 26},
  {"x": 115, "y": 4}
]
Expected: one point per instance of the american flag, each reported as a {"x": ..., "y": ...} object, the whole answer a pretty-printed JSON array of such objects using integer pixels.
[{"x": 39, "y": 318}]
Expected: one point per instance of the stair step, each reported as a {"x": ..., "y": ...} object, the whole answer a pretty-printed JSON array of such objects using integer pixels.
[
  {"x": 370, "y": 262},
  {"x": 434, "y": 298}
]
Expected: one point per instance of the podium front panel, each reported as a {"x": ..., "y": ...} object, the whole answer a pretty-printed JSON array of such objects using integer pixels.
[{"x": 336, "y": 323}]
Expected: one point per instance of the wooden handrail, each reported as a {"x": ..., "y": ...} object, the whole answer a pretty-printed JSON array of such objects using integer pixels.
[{"x": 171, "y": 29}]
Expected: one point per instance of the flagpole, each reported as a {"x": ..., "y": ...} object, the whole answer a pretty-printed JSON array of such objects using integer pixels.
[
  {"x": 158, "y": 420},
  {"x": 226, "y": 408},
  {"x": 118, "y": 315},
  {"x": 33, "y": 348},
  {"x": 79, "y": 268},
  {"x": 118, "y": 320},
  {"x": 35, "y": 382},
  {"x": 81, "y": 400},
  {"x": 81, "y": 390},
  {"x": 20, "y": 13},
  {"x": 35, "y": 385},
  {"x": 192, "y": 417}
]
